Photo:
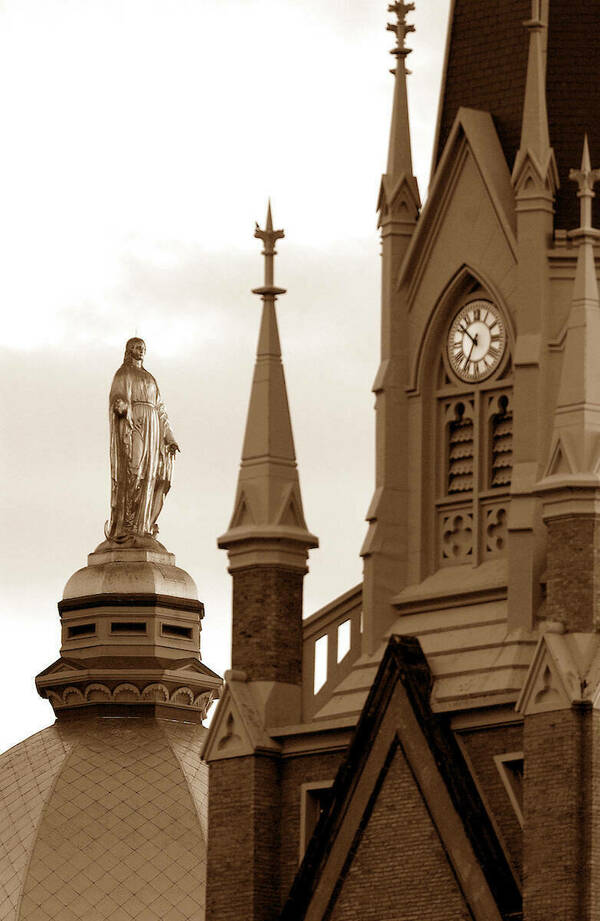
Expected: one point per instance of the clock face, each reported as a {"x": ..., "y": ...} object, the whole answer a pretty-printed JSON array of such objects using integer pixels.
[{"x": 476, "y": 341}]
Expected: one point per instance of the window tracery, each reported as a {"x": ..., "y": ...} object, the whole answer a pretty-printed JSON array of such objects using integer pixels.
[{"x": 475, "y": 423}]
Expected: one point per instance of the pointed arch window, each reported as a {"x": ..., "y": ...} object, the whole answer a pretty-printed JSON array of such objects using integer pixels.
[{"x": 475, "y": 426}]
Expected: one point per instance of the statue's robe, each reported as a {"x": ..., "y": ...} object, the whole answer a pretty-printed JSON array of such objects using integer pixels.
[{"x": 140, "y": 463}]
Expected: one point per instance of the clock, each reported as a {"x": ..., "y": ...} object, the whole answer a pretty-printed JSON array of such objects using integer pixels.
[{"x": 476, "y": 341}]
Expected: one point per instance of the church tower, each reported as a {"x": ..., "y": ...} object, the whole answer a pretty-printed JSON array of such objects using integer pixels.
[
  {"x": 267, "y": 543},
  {"x": 384, "y": 549}
]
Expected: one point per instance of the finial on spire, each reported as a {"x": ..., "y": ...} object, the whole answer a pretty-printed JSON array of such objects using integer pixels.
[
  {"x": 586, "y": 178},
  {"x": 269, "y": 238},
  {"x": 401, "y": 29}
]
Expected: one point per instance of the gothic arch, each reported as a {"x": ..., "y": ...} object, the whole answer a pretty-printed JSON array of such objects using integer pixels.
[
  {"x": 464, "y": 280},
  {"x": 463, "y": 517}
]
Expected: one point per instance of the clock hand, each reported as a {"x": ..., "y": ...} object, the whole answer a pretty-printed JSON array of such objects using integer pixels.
[
  {"x": 465, "y": 330},
  {"x": 473, "y": 344}
]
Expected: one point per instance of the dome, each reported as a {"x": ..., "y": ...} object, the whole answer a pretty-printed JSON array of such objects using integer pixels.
[{"x": 104, "y": 818}]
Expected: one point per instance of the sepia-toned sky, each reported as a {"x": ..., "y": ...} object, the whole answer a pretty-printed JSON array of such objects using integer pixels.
[{"x": 140, "y": 141}]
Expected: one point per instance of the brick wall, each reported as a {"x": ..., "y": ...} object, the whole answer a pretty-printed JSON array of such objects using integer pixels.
[
  {"x": 556, "y": 814},
  {"x": 295, "y": 772},
  {"x": 400, "y": 869},
  {"x": 573, "y": 572},
  {"x": 267, "y": 623},
  {"x": 243, "y": 840},
  {"x": 481, "y": 745}
]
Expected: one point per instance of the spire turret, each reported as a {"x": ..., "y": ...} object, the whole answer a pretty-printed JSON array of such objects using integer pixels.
[
  {"x": 571, "y": 486},
  {"x": 577, "y": 418},
  {"x": 535, "y": 153},
  {"x": 268, "y": 521},
  {"x": 267, "y": 540},
  {"x": 399, "y": 152},
  {"x": 399, "y": 194},
  {"x": 398, "y": 208}
]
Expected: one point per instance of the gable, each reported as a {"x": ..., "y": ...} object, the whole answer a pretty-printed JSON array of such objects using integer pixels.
[
  {"x": 472, "y": 175},
  {"x": 467, "y": 225},
  {"x": 403, "y": 785},
  {"x": 398, "y": 852}
]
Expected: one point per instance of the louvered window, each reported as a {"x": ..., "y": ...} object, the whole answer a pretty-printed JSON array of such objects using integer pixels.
[
  {"x": 501, "y": 467},
  {"x": 460, "y": 453}
]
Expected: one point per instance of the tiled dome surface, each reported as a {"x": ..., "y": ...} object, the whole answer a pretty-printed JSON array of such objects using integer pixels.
[{"x": 104, "y": 818}]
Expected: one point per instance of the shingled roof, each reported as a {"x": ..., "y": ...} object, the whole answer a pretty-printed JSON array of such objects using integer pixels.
[{"x": 486, "y": 67}]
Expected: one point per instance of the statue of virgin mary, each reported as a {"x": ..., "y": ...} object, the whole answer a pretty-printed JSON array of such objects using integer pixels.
[{"x": 142, "y": 448}]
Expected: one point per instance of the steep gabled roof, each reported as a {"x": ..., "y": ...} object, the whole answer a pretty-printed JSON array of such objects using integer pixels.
[
  {"x": 485, "y": 68},
  {"x": 397, "y": 718},
  {"x": 486, "y": 63}
]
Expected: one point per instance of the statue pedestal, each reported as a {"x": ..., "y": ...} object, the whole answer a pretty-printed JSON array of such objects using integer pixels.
[{"x": 131, "y": 623}]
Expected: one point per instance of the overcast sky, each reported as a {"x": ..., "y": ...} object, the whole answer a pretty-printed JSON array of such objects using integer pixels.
[{"x": 141, "y": 139}]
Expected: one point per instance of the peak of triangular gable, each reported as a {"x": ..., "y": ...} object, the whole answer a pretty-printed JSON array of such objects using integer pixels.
[
  {"x": 242, "y": 514},
  {"x": 402, "y": 755},
  {"x": 237, "y": 729},
  {"x": 290, "y": 513},
  {"x": 559, "y": 463},
  {"x": 399, "y": 196},
  {"x": 565, "y": 669},
  {"x": 62, "y": 667},
  {"x": 473, "y": 136},
  {"x": 531, "y": 175}
]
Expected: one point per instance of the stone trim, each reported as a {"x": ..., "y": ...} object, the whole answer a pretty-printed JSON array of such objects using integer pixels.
[{"x": 141, "y": 600}]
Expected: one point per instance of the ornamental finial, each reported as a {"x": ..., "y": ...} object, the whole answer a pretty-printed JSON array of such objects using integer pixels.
[
  {"x": 269, "y": 238},
  {"x": 586, "y": 178},
  {"x": 401, "y": 29}
]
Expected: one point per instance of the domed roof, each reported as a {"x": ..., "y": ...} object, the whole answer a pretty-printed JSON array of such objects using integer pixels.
[
  {"x": 130, "y": 571},
  {"x": 104, "y": 818}
]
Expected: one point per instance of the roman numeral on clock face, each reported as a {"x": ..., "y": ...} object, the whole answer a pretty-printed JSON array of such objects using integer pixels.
[{"x": 476, "y": 341}]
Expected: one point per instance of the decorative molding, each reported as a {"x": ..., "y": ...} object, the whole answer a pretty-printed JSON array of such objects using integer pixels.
[
  {"x": 456, "y": 535},
  {"x": 237, "y": 729},
  {"x": 127, "y": 692},
  {"x": 130, "y": 600},
  {"x": 564, "y": 672},
  {"x": 473, "y": 134}
]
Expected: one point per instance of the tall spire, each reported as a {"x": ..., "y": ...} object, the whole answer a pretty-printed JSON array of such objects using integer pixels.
[
  {"x": 399, "y": 194},
  {"x": 268, "y": 521},
  {"x": 570, "y": 489},
  {"x": 399, "y": 152},
  {"x": 575, "y": 448},
  {"x": 535, "y": 148},
  {"x": 398, "y": 207}
]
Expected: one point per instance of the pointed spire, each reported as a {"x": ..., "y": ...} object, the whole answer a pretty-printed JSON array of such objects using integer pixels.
[
  {"x": 269, "y": 238},
  {"x": 268, "y": 504},
  {"x": 586, "y": 178},
  {"x": 575, "y": 445},
  {"x": 535, "y": 137},
  {"x": 399, "y": 151},
  {"x": 399, "y": 193},
  {"x": 570, "y": 490}
]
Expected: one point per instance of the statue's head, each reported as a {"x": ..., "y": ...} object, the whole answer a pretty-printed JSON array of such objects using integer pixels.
[{"x": 135, "y": 348}]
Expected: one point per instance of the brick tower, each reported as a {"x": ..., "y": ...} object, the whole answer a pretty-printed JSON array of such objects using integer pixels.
[
  {"x": 267, "y": 543},
  {"x": 559, "y": 700}
]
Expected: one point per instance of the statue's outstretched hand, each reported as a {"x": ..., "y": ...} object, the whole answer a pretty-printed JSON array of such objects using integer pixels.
[{"x": 172, "y": 448}]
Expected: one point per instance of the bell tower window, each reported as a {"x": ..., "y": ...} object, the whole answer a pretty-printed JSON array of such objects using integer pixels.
[{"x": 474, "y": 411}]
